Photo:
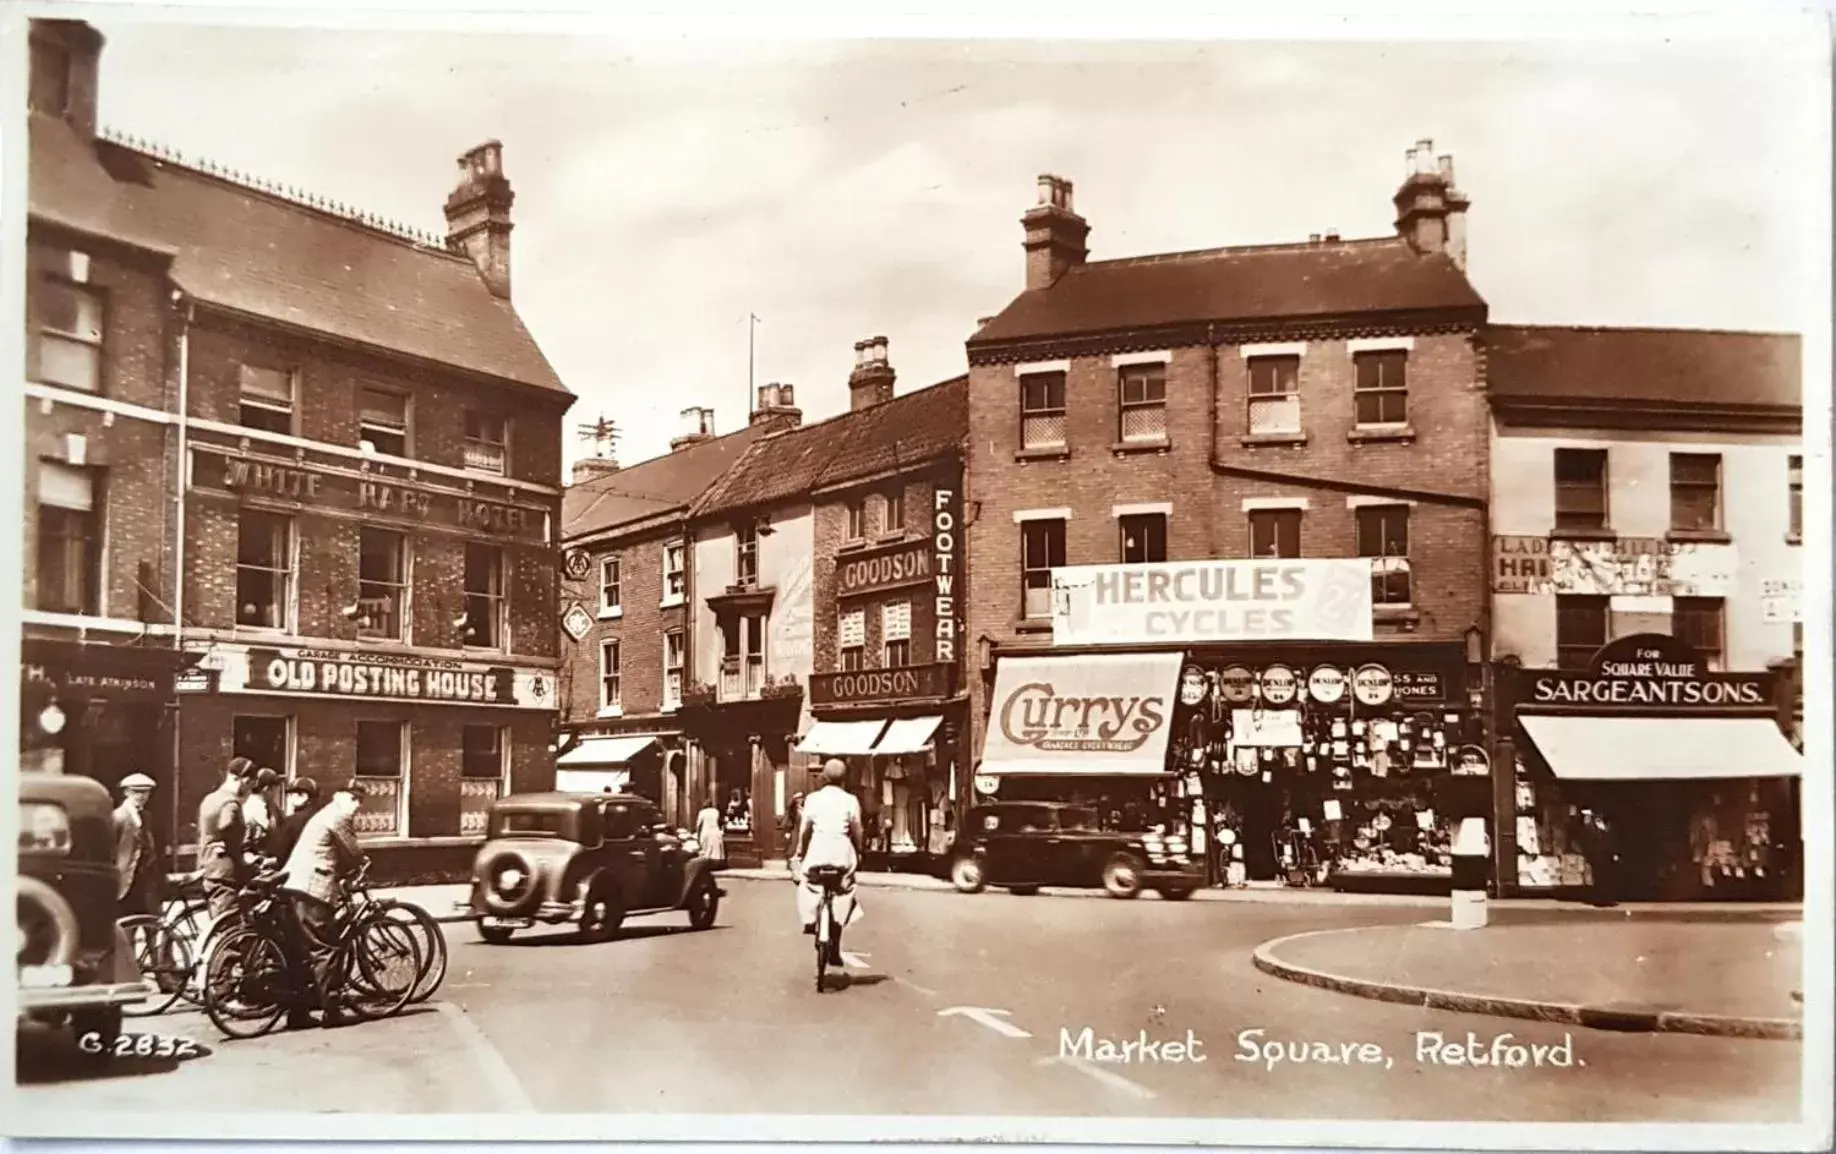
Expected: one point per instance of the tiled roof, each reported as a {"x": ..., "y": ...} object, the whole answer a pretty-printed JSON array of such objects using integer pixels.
[
  {"x": 1263, "y": 283},
  {"x": 650, "y": 488},
  {"x": 1672, "y": 366},
  {"x": 921, "y": 425},
  {"x": 261, "y": 254}
]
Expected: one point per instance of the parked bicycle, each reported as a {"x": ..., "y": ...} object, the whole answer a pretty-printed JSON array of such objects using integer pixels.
[
  {"x": 430, "y": 939},
  {"x": 167, "y": 946},
  {"x": 829, "y": 879},
  {"x": 255, "y": 971}
]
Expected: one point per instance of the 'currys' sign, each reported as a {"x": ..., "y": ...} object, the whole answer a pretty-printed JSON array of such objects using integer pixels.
[{"x": 1098, "y": 713}]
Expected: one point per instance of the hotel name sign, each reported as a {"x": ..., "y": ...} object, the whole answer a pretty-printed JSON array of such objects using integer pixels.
[
  {"x": 1622, "y": 567},
  {"x": 385, "y": 496}
]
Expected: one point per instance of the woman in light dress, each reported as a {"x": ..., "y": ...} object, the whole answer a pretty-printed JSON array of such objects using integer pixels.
[
  {"x": 829, "y": 834},
  {"x": 711, "y": 833}
]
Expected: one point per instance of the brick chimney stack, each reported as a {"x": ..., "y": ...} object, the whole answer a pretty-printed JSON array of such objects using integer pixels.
[
  {"x": 1055, "y": 234},
  {"x": 871, "y": 382},
  {"x": 66, "y": 67},
  {"x": 697, "y": 426},
  {"x": 478, "y": 215},
  {"x": 592, "y": 468},
  {"x": 777, "y": 401},
  {"x": 1430, "y": 211}
]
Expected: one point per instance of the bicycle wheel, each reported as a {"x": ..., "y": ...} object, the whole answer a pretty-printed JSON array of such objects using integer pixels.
[
  {"x": 188, "y": 922},
  {"x": 431, "y": 940},
  {"x": 245, "y": 982},
  {"x": 823, "y": 918},
  {"x": 164, "y": 962},
  {"x": 382, "y": 965}
]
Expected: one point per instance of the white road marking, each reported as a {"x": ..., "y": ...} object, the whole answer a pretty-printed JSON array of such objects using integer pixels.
[
  {"x": 1109, "y": 1078},
  {"x": 929, "y": 993},
  {"x": 858, "y": 961},
  {"x": 497, "y": 1072},
  {"x": 986, "y": 1016}
]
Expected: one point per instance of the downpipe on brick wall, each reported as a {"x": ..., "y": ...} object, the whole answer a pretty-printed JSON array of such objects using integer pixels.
[{"x": 183, "y": 434}]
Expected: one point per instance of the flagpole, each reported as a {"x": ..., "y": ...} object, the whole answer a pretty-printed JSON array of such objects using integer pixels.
[{"x": 752, "y": 324}]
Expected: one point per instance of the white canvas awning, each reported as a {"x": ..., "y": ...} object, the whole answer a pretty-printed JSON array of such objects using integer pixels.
[
  {"x": 841, "y": 738},
  {"x": 1092, "y": 714},
  {"x": 908, "y": 735},
  {"x": 1662, "y": 748},
  {"x": 591, "y": 780},
  {"x": 593, "y": 752}
]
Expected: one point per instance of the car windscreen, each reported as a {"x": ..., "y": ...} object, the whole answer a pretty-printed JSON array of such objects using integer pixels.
[
  {"x": 1079, "y": 820},
  {"x": 559, "y": 823}
]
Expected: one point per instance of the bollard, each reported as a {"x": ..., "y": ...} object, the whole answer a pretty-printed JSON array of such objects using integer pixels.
[{"x": 1469, "y": 869}]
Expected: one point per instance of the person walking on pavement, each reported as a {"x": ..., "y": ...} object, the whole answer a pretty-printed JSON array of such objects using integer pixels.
[
  {"x": 325, "y": 854},
  {"x": 302, "y": 796},
  {"x": 221, "y": 834},
  {"x": 137, "y": 872},
  {"x": 1602, "y": 852},
  {"x": 830, "y": 834},
  {"x": 710, "y": 833},
  {"x": 793, "y": 815}
]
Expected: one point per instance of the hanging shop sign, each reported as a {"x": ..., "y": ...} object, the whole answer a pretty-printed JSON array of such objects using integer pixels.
[
  {"x": 987, "y": 784},
  {"x": 378, "y": 677},
  {"x": 1326, "y": 684},
  {"x": 576, "y": 564},
  {"x": 1090, "y": 714},
  {"x": 1470, "y": 760},
  {"x": 231, "y": 472},
  {"x": 868, "y": 686},
  {"x": 946, "y": 570},
  {"x": 1644, "y": 672},
  {"x": 1194, "y": 686},
  {"x": 577, "y": 621},
  {"x": 1623, "y": 567},
  {"x": 1236, "y": 684},
  {"x": 1373, "y": 685},
  {"x": 1212, "y": 601},
  {"x": 1279, "y": 685}
]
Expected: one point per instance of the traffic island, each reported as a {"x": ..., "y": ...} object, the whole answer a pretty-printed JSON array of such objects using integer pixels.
[{"x": 1720, "y": 979}]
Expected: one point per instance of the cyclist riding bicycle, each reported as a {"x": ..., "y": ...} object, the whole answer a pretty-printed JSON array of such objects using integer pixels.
[
  {"x": 829, "y": 833},
  {"x": 325, "y": 854}
]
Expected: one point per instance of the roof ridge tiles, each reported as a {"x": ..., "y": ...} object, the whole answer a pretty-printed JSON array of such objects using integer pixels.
[
  {"x": 1655, "y": 330},
  {"x": 1237, "y": 249}
]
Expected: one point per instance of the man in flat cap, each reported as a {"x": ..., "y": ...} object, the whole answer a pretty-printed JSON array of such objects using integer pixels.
[
  {"x": 325, "y": 854},
  {"x": 221, "y": 834},
  {"x": 302, "y": 797},
  {"x": 137, "y": 864}
]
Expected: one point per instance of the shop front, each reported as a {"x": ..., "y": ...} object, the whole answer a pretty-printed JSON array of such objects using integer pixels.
[
  {"x": 102, "y": 711},
  {"x": 632, "y": 763},
  {"x": 899, "y": 731},
  {"x": 1093, "y": 729},
  {"x": 742, "y": 751},
  {"x": 1646, "y": 777},
  {"x": 434, "y": 741}
]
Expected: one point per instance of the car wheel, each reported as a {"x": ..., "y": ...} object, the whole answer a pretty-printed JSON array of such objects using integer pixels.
[
  {"x": 105, "y": 1025},
  {"x": 604, "y": 914},
  {"x": 1023, "y": 891},
  {"x": 495, "y": 935},
  {"x": 509, "y": 879},
  {"x": 703, "y": 904},
  {"x": 966, "y": 875},
  {"x": 1176, "y": 893},
  {"x": 1122, "y": 876}
]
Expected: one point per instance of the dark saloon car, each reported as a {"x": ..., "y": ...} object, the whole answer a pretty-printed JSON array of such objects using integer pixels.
[
  {"x": 587, "y": 859},
  {"x": 1022, "y": 845},
  {"x": 75, "y": 964}
]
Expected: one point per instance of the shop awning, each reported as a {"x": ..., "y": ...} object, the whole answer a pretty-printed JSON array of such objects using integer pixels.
[
  {"x": 1084, "y": 715},
  {"x": 591, "y": 780},
  {"x": 908, "y": 735},
  {"x": 1662, "y": 748},
  {"x": 592, "y": 752},
  {"x": 841, "y": 738}
]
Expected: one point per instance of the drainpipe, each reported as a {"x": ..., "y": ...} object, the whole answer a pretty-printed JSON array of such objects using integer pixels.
[
  {"x": 1211, "y": 407},
  {"x": 180, "y": 472}
]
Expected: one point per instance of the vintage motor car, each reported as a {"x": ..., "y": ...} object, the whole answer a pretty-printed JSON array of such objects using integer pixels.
[
  {"x": 1023, "y": 845},
  {"x": 75, "y": 964},
  {"x": 587, "y": 859}
]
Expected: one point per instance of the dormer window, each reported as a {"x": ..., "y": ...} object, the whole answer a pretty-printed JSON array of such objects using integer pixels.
[{"x": 382, "y": 422}]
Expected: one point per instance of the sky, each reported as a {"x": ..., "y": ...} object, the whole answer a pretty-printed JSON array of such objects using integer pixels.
[{"x": 666, "y": 189}]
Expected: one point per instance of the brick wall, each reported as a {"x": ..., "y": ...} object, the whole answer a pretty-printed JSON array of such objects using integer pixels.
[
  {"x": 831, "y": 535},
  {"x": 638, "y": 628}
]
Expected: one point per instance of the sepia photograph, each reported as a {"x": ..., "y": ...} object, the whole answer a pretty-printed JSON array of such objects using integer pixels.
[{"x": 763, "y": 578}]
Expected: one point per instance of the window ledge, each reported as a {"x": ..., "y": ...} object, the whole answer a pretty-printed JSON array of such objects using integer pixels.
[
  {"x": 1701, "y": 536},
  {"x": 889, "y": 538},
  {"x": 1044, "y": 453},
  {"x": 612, "y": 614},
  {"x": 1369, "y": 434},
  {"x": 671, "y": 602},
  {"x": 614, "y": 711},
  {"x": 1158, "y": 445},
  {"x": 1256, "y": 440},
  {"x": 852, "y": 546},
  {"x": 1603, "y": 533},
  {"x": 1033, "y": 625},
  {"x": 1405, "y": 615}
]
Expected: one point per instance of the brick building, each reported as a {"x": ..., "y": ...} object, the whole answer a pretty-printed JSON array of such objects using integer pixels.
[
  {"x": 625, "y": 588},
  {"x": 822, "y": 562},
  {"x": 366, "y": 441},
  {"x": 1245, "y": 490},
  {"x": 1647, "y": 494}
]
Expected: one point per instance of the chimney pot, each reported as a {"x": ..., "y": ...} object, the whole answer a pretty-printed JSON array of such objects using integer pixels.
[
  {"x": 1446, "y": 167},
  {"x": 1332, "y": 235},
  {"x": 1313, "y": 238}
]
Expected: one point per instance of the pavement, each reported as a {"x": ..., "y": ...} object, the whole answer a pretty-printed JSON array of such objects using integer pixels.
[{"x": 951, "y": 1005}]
